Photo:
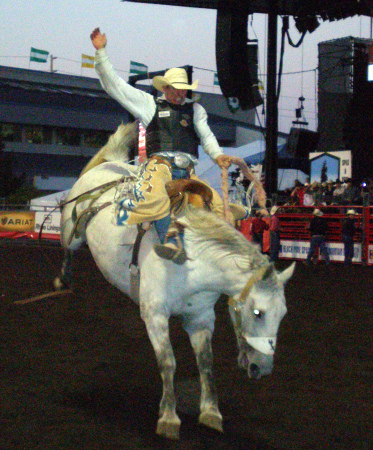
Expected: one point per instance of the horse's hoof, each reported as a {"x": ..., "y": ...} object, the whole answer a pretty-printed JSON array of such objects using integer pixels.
[
  {"x": 58, "y": 284},
  {"x": 168, "y": 430},
  {"x": 212, "y": 421}
]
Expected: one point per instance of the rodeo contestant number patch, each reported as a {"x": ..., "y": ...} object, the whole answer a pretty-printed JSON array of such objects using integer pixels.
[{"x": 164, "y": 114}]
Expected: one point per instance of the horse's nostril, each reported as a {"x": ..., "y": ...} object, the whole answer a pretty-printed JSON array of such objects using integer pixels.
[{"x": 254, "y": 369}]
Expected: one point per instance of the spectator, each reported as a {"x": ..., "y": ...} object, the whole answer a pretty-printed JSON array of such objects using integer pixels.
[
  {"x": 328, "y": 193},
  {"x": 348, "y": 231},
  {"x": 258, "y": 225},
  {"x": 274, "y": 231},
  {"x": 351, "y": 195},
  {"x": 366, "y": 191},
  {"x": 318, "y": 228},
  {"x": 297, "y": 194},
  {"x": 308, "y": 199},
  {"x": 316, "y": 192},
  {"x": 338, "y": 191}
]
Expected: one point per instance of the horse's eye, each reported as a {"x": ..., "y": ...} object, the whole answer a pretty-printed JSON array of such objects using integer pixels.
[{"x": 258, "y": 314}]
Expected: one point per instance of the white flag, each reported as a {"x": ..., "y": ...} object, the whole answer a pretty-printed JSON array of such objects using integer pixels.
[{"x": 38, "y": 55}]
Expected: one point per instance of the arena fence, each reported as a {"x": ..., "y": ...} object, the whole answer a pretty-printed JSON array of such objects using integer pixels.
[
  {"x": 295, "y": 236},
  {"x": 18, "y": 223}
]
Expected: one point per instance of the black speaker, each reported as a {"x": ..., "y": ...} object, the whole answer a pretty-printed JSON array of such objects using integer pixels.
[
  {"x": 236, "y": 61},
  {"x": 302, "y": 142}
]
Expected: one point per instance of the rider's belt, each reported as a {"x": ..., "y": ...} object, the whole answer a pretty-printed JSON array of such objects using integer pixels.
[{"x": 179, "y": 161}]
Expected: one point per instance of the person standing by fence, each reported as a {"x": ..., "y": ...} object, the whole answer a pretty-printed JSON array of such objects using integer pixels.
[
  {"x": 318, "y": 228},
  {"x": 348, "y": 231},
  {"x": 274, "y": 230},
  {"x": 258, "y": 225}
]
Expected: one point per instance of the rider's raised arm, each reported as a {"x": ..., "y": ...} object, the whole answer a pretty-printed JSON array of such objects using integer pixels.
[{"x": 139, "y": 103}]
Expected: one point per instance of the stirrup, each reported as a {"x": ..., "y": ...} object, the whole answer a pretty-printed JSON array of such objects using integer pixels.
[{"x": 176, "y": 255}]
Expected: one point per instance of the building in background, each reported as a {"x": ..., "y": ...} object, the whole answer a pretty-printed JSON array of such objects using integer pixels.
[{"x": 52, "y": 124}]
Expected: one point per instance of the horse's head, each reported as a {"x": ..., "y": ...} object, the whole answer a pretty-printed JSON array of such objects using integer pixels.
[{"x": 256, "y": 314}]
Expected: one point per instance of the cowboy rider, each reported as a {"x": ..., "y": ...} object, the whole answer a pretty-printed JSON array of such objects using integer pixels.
[{"x": 174, "y": 126}]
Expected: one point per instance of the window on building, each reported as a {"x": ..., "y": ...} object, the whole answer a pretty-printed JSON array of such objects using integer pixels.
[
  {"x": 95, "y": 139},
  {"x": 37, "y": 134},
  {"x": 68, "y": 136},
  {"x": 11, "y": 132}
]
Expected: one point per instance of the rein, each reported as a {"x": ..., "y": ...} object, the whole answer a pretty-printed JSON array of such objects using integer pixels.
[{"x": 265, "y": 344}]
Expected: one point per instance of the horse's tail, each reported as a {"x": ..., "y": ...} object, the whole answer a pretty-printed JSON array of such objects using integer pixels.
[{"x": 117, "y": 147}]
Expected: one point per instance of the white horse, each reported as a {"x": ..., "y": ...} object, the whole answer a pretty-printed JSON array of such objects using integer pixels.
[{"x": 221, "y": 261}]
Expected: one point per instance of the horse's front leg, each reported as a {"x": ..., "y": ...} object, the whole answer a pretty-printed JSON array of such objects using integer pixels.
[
  {"x": 158, "y": 331},
  {"x": 210, "y": 414}
]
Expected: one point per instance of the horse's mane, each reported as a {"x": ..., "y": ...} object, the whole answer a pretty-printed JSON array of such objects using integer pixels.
[
  {"x": 220, "y": 239},
  {"x": 117, "y": 147}
]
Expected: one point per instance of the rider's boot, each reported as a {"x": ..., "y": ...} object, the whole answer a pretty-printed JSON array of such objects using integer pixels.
[{"x": 171, "y": 246}]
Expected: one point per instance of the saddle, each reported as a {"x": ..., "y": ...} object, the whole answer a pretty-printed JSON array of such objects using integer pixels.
[{"x": 183, "y": 192}]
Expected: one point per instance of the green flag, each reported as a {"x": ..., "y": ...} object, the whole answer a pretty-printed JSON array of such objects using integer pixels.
[
  {"x": 216, "y": 80},
  {"x": 138, "y": 68},
  {"x": 38, "y": 55}
]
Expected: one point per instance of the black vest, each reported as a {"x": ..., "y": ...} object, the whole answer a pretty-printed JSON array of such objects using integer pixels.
[{"x": 172, "y": 130}]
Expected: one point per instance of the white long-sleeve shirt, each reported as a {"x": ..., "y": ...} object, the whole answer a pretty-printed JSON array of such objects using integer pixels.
[{"x": 142, "y": 105}]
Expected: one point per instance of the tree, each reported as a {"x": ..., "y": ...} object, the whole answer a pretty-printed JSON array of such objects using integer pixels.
[{"x": 324, "y": 173}]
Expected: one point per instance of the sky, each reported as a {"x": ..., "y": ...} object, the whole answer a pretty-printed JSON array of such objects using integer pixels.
[{"x": 160, "y": 37}]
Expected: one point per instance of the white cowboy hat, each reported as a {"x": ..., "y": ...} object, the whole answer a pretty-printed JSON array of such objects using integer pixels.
[
  {"x": 317, "y": 212},
  {"x": 351, "y": 212},
  {"x": 176, "y": 77},
  {"x": 274, "y": 210}
]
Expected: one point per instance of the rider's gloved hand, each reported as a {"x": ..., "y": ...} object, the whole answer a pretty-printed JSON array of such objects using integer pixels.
[{"x": 223, "y": 161}]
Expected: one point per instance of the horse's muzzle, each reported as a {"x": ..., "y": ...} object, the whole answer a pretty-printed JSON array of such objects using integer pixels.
[{"x": 259, "y": 365}]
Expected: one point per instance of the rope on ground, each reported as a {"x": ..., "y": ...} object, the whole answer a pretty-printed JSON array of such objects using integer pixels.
[{"x": 43, "y": 296}]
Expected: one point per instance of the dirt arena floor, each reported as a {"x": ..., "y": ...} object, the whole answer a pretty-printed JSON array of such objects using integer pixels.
[{"x": 77, "y": 371}]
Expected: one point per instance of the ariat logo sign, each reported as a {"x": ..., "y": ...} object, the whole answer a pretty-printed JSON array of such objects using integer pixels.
[{"x": 17, "y": 221}]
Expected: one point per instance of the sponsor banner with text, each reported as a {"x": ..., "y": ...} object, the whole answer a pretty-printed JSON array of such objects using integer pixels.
[
  {"x": 17, "y": 221},
  {"x": 299, "y": 250},
  {"x": 51, "y": 222}
]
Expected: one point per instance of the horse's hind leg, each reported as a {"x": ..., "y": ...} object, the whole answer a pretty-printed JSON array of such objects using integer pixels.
[
  {"x": 210, "y": 414},
  {"x": 158, "y": 331},
  {"x": 64, "y": 279}
]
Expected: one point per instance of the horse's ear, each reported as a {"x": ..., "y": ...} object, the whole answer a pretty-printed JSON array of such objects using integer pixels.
[
  {"x": 269, "y": 271},
  {"x": 263, "y": 273},
  {"x": 285, "y": 276}
]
